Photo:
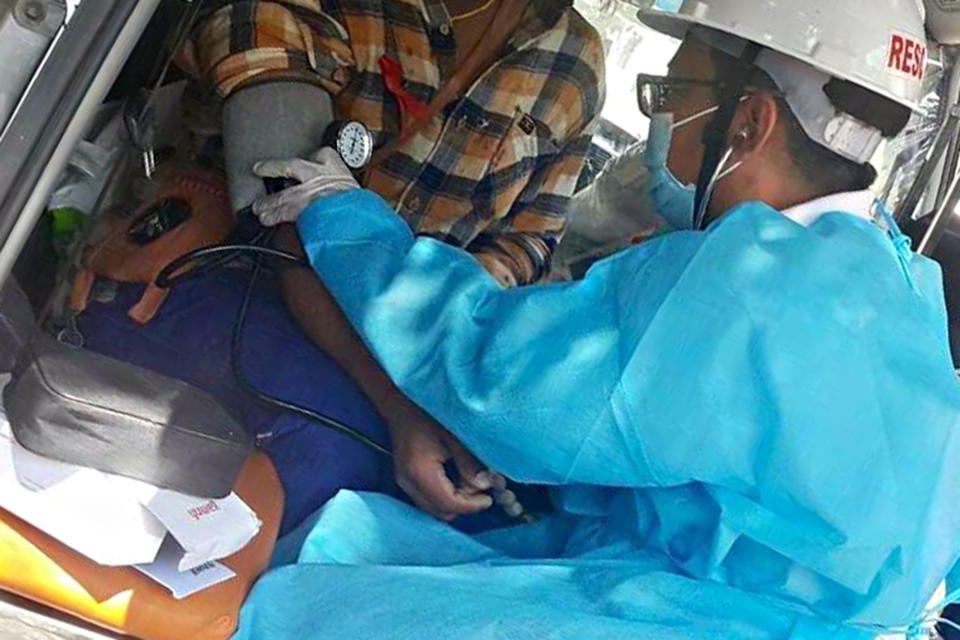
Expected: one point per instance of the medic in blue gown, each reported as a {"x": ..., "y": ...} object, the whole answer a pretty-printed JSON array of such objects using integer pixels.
[{"x": 751, "y": 423}]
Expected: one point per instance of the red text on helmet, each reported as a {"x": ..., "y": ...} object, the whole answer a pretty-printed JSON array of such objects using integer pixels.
[{"x": 907, "y": 56}]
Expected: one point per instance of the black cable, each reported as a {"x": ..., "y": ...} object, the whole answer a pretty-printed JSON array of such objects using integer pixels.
[
  {"x": 236, "y": 353},
  {"x": 165, "y": 279},
  {"x": 227, "y": 253}
]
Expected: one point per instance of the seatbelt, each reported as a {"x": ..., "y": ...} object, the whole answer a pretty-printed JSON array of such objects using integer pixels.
[{"x": 482, "y": 55}]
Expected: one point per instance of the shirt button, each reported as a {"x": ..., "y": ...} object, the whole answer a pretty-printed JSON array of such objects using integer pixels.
[
  {"x": 445, "y": 29},
  {"x": 412, "y": 204}
]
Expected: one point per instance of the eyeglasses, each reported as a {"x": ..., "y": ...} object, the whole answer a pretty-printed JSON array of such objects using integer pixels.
[{"x": 654, "y": 91}]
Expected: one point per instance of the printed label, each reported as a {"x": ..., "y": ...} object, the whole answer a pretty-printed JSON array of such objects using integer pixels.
[
  {"x": 203, "y": 510},
  {"x": 906, "y": 57}
]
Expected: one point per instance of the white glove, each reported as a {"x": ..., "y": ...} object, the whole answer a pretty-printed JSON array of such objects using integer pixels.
[{"x": 322, "y": 176}]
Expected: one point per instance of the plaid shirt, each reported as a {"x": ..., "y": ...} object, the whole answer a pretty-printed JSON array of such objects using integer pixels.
[{"x": 494, "y": 172}]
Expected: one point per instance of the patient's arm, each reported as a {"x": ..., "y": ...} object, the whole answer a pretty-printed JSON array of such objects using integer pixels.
[{"x": 421, "y": 446}]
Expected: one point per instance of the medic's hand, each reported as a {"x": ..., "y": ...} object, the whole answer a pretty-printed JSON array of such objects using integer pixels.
[
  {"x": 421, "y": 447},
  {"x": 321, "y": 176}
]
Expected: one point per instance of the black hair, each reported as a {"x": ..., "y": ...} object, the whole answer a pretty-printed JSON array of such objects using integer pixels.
[{"x": 824, "y": 170}]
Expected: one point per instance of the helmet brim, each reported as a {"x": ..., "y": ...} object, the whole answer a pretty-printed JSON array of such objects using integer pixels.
[
  {"x": 678, "y": 25},
  {"x": 675, "y": 26}
]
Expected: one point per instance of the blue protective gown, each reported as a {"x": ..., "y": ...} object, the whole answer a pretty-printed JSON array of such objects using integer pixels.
[{"x": 753, "y": 431}]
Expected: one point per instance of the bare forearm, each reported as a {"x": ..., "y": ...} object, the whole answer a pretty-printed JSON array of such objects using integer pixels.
[{"x": 321, "y": 319}]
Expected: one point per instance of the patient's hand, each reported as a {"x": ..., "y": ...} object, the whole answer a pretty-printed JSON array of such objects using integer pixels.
[{"x": 421, "y": 448}]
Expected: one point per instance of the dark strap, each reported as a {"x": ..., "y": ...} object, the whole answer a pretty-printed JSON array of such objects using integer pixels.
[{"x": 715, "y": 135}]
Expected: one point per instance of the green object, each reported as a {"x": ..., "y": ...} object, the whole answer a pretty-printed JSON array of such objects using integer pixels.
[{"x": 65, "y": 222}]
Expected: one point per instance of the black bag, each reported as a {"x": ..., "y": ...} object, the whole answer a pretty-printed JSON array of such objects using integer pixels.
[
  {"x": 90, "y": 410},
  {"x": 16, "y": 324}
]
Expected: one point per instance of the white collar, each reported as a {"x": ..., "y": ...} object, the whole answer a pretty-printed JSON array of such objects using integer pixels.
[{"x": 858, "y": 203}]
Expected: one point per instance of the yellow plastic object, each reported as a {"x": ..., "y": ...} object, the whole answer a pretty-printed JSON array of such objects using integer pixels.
[{"x": 35, "y": 566}]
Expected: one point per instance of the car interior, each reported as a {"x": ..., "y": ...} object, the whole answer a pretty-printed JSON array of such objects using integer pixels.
[{"x": 146, "y": 185}]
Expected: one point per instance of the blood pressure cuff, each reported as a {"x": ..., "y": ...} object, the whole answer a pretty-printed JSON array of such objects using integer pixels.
[{"x": 90, "y": 410}]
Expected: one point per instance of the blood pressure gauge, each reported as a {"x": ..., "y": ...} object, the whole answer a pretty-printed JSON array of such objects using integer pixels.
[{"x": 354, "y": 143}]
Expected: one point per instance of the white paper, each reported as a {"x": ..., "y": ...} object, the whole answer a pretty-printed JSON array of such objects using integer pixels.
[
  {"x": 81, "y": 510},
  {"x": 207, "y": 529},
  {"x": 38, "y": 473},
  {"x": 183, "y": 583}
]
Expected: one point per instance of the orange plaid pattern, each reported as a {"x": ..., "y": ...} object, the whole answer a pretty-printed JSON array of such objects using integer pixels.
[{"x": 494, "y": 172}]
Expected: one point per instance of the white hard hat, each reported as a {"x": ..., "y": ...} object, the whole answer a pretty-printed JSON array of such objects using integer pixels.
[{"x": 879, "y": 45}]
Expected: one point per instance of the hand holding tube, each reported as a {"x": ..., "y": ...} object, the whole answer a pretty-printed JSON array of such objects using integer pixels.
[{"x": 322, "y": 176}]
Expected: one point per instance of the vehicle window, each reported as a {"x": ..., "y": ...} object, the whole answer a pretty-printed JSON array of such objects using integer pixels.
[{"x": 631, "y": 48}]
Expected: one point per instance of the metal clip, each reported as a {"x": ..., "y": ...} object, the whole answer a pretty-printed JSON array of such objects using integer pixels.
[
  {"x": 70, "y": 335},
  {"x": 104, "y": 291},
  {"x": 140, "y": 121}
]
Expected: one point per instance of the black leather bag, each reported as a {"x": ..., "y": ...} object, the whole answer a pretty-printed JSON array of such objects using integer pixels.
[
  {"x": 90, "y": 410},
  {"x": 16, "y": 324}
]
